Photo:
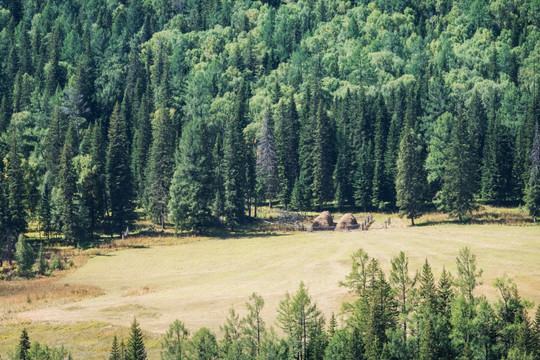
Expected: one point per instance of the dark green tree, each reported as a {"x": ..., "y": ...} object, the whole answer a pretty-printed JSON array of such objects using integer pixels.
[
  {"x": 322, "y": 158},
  {"x": 24, "y": 254},
  {"x": 532, "y": 197},
  {"x": 160, "y": 166},
  {"x": 457, "y": 194},
  {"x": 192, "y": 189},
  {"x": 142, "y": 141},
  {"x": 301, "y": 195},
  {"x": 119, "y": 179},
  {"x": 203, "y": 345},
  {"x": 67, "y": 183},
  {"x": 267, "y": 165},
  {"x": 380, "y": 126},
  {"x": 174, "y": 342},
  {"x": 135, "y": 349},
  {"x": 24, "y": 346},
  {"x": 16, "y": 214},
  {"x": 115, "y": 350}
]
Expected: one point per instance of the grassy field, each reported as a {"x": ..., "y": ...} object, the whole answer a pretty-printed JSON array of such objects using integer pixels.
[{"x": 198, "y": 280}]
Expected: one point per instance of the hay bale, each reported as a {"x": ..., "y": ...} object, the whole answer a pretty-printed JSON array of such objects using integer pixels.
[
  {"x": 347, "y": 221},
  {"x": 324, "y": 220}
]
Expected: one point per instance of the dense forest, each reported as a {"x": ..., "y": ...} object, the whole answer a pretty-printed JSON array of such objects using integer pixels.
[
  {"x": 393, "y": 317},
  {"x": 194, "y": 112}
]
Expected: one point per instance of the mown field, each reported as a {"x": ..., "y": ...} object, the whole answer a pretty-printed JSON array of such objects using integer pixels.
[{"x": 197, "y": 281}]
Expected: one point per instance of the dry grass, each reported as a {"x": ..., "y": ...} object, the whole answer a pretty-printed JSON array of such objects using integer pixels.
[{"x": 159, "y": 279}]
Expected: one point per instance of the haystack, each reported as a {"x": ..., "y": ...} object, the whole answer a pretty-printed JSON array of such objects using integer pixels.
[
  {"x": 347, "y": 221},
  {"x": 324, "y": 220}
]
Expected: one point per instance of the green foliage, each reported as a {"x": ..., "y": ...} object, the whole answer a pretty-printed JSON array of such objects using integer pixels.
[
  {"x": 24, "y": 346},
  {"x": 68, "y": 189},
  {"x": 24, "y": 254},
  {"x": 174, "y": 342},
  {"x": 532, "y": 198},
  {"x": 135, "y": 349},
  {"x": 202, "y": 346},
  {"x": 115, "y": 350}
]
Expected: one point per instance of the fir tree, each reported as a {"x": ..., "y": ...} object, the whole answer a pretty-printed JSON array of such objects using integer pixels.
[
  {"x": 160, "y": 166},
  {"x": 191, "y": 192},
  {"x": 24, "y": 254},
  {"x": 141, "y": 144},
  {"x": 322, "y": 158},
  {"x": 532, "y": 198},
  {"x": 428, "y": 343},
  {"x": 234, "y": 158},
  {"x": 119, "y": 179},
  {"x": 4, "y": 115},
  {"x": 377, "y": 197},
  {"x": 457, "y": 194},
  {"x": 67, "y": 183},
  {"x": 135, "y": 349},
  {"x": 54, "y": 140},
  {"x": 267, "y": 168},
  {"x": 16, "y": 215},
  {"x": 98, "y": 195},
  {"x": 428, "y": 289},
  {"x": 301, "y": 195},
  {"x": 115, "y": 350},
  {"x": 24, "y": 346},
  {"x": 410, "y": 179}
]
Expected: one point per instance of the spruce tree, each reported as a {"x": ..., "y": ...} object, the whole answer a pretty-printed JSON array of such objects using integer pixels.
[
  {"x": 428, "y": 342},
  {"x": 115, "y": 350},
  {"x": 378, "y": 190},
  {"x": 119, "y": 180},
  {"x": 235, "y": 164},
  {"x": 532, "y": 197},
  {"x": 98, "y": 194},
  {"x": 16, "y": 215},
  {"x": 135, "y": 349},
  {"x": 142, "y": 141},
  {"x": 160, "y": 166},
  {"x": 54, "y": 140},
  {"x": 24, "y": 254},
  {"x": 364, "y": 175},
  {"x": 322, "y": 158},
  {"x": 457, "y": 194},
  {"x": 24, "y": 346},
  {"x": 267, "y": 167},
  {"x": 4, "y": 115},
  {"x": 301, "y": 195},
  {"x": 411, "y": 178},
  {"x": 192, "y": 190},
  {"x": 67, "y": 183}
]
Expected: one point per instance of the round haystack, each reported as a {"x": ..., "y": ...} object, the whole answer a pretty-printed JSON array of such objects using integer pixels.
[
  {"x": 346, "y": 221},
  {"x": 324, "y": 220}
]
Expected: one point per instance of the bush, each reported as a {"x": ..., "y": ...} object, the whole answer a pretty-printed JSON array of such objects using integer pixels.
[{"x": 56, "y": 263}]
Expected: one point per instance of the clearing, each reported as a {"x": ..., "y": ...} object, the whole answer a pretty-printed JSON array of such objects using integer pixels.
[{"x": 197, "y": 282}]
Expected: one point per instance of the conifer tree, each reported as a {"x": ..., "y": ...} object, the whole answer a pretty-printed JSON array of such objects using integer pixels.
[
  {"x": 267, "y": 167},
  {"x": 253, "y": 327},
  {"x": 98, "y": 195},
  {"x": 364, "y": 175},
  {"x": 67, "y": 183},
  {"x": 24, "y": 346},
  {"x": 411, "y": 178},
  {"x": 119, "y": 180},
  {"x": 428, "y": 342},
  {"x": 142, "y": 141},
  {"x": 160, "y": 166},
  {"x": 115, "y": 350},
  {"x": 428, "y": 289},
  {"x": 457, "y": 194},
  {"x": 24, "y": 254},
  {"x": 287, "y": 140},
  {"x": 234, "y": 158},
  {"x": 301, "y": 195},
  {"x": 4, "y": 115},
  {"x": 54, "y": 140},
  {"x": 532, "y": 198},
  {"x": 378, "y": 154},
  {"x": 16, "y": 215},
  {"x": 191, "y": 192},
  {"x": 322, "y": 158},
  {"x": 403, "y": 283},
  {"x": 135, "y": 349}
]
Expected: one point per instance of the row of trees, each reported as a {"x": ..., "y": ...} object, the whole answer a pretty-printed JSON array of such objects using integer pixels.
[
  {"x": 403, "y": 315},
  {"x": 196, "y": 112}
]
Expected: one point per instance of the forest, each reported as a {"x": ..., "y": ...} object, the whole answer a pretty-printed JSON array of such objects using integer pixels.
[
  {"x": 398, "y": 316},
  {"x": 193, "y": 113}
]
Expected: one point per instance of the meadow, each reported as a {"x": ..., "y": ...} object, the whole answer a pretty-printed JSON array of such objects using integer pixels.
[{"x": 197, "y": 280}]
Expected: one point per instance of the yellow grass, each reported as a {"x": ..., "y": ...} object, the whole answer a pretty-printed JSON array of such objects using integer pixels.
[{"x": 197, "y": 280}]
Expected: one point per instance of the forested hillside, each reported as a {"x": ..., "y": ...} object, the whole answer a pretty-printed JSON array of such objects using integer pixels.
[{"x": 196, "y": 111}]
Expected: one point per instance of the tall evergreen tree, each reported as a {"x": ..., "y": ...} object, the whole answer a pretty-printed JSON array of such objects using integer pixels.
[
  {"x": 457, "y": 195},
  {"x": 135, "y": 349},
  {"x": 192, "y": 189},
  {"x": 16, "y": 214},
  {"x": 67, "y": 183},
  {"x": 98, "y": 196},
  {"x": 267, "y": 166},
  {"x": 411, "y": 178},
  {"x": 378, "y": 154},
  {"x": 119, "y": 179},
  {"x": 160, "y": 166},
  {"x": 142, "y": 141},
  {"x": 532, "y": 198},
  {"x": 322, "y": 158},
  {"x": 24, "y": 346},
  {"x": 235, "y": 161},
  {"x": 115, "y": 350},
  {"x": 54, "y": 140}
]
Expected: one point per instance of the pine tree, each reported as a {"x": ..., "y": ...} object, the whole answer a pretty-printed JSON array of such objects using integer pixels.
[
  {"x": 135, "y": 349},
  {"x": 378, "y": 155},
  {"x": 115, "y": 350},
  {"x": 267, "y": 167},
  {"x": 235, "y": 161},
  {"x": 4, "y": 115},
  {"x": 142, "y": 141},
  {"x": 457, "y": 194},
  {"x": 468, "y": 276},
  {"x": 54, "y": 140},
  {"x": 98, "y": 194},
  {"x": 532, "y": 198},
  {"x": 477, "y": 131},
  {"x": 322, "y": 158},
  {"x": 24, "y": 346},
  {"x": 253, "y": 327},
  {"x": 428, "y": 289},
  {"x": 410, "y": 179},
  {"x": 445, "y": 294},
  {"x": 428, "y": 342},
  {"x": 16, "y": 214},
  {"x": 119, "y": 179},
  {"x": 24, "y": 254},
  {"x": 403, "y": 283},
  {"x": 192, "y": 190},
  {"x": 172, "y": 346},
  {"x": 160, "y": 166},
  {"x": 67, "y": 183},
  {"x": 301, "y": 195}
]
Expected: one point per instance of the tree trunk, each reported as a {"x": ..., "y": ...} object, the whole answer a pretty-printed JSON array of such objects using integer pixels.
[{"x": 412, "y": 220}]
